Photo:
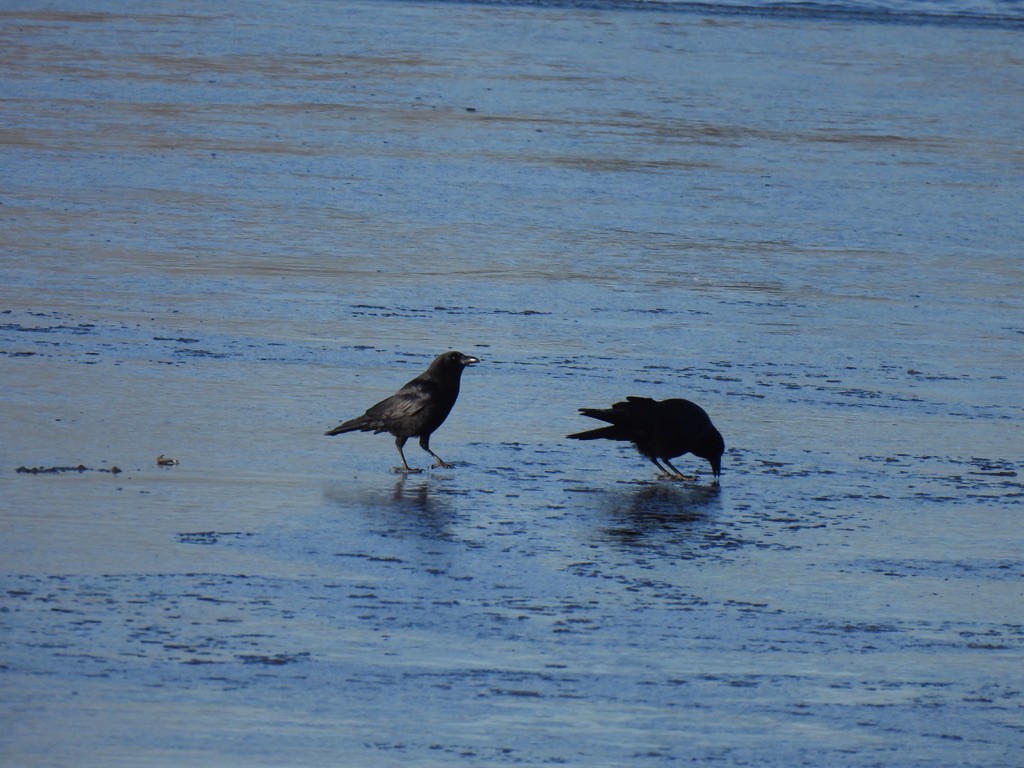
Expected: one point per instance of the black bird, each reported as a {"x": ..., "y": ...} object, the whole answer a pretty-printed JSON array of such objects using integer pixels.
[
  {"x": 660, "y": 431},
  {"x": 417, "y": 409}
]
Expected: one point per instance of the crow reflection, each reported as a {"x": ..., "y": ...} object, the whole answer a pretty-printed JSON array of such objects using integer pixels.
[
  {"x": 407, "y": 506},
  {"x": 413, "y": 497},
  {"x": 656, "y": 509}
]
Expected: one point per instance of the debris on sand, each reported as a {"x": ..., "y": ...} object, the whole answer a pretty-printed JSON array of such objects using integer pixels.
[{"x": 57, "y": 470}]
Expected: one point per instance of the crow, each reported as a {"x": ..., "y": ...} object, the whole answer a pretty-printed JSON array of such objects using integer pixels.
[
  {"x": 660, "y": 430},
  {"x": 417, "y": 409}
]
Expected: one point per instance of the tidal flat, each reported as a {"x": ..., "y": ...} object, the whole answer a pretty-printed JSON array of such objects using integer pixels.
[{"x": 227, "y": 228}]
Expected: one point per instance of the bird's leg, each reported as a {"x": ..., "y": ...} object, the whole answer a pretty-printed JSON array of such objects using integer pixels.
[
  {"x": 425, "y": 445},
  {"x": 399, "y": 442},
  {"x": 664, "y": 473},
  {"x": 679, "y": 475}
]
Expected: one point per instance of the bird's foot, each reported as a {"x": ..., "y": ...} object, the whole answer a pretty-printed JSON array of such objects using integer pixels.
[
  {"x": 406, "y": 470},
  {"x": 442, "y": 465},
  {"x": 679, "y": 478}
]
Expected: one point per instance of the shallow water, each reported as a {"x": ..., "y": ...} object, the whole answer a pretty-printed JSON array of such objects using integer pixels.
[{"x": 225, "y": 231}]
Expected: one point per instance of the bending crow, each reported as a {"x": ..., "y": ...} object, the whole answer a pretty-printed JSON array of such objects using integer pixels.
[{"x": 660, "y": 431}]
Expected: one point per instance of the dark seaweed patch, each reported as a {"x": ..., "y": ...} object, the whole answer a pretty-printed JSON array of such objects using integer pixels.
[
  {"x": 199, "y": 353},
  {"x": 209, "y": 537},
  {"x": 79, "y": 330},
  {"x": 272, "y": 660},
  {"x": 58, "y": 470}
]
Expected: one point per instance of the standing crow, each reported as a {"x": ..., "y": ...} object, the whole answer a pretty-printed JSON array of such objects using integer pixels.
[
  {"x": 417, "y": 409},
  {"x": 660, "y": 430}
]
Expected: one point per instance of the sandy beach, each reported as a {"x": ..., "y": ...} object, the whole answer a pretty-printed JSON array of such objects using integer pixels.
[{"x": 227, "y": 228}]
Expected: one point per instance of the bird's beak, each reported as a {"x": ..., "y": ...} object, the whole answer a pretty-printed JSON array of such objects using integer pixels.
[{"x": 470, "y": 360}]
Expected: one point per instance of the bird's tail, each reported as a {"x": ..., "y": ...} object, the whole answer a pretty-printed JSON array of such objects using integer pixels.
[
  {"x": 359, "y": 423},
  {"x": 606, "y": 433},
  {"x": 612, "y": 416}
]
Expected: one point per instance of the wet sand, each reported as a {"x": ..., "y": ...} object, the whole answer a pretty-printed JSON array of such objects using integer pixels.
[{"x": 227, "y": 229}]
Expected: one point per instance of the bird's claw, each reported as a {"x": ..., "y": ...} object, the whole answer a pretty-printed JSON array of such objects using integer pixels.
[
  {"x": 406, "y": 470},
  {"x": 442, "y": 465},
  {"x": 679, "y": 478}
]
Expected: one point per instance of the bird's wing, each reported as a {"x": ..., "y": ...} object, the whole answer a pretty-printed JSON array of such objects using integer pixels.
[
  {"x": 408, "y": 401},
  {"x": 638, "y": 407},
  {"x": 602, "y": 414}
]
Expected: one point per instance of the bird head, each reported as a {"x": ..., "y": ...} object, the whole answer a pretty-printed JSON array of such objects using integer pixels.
[
  {"x": 454, "y": 361},
  {"x": 715, "y": 454}
]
